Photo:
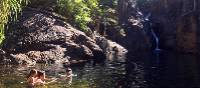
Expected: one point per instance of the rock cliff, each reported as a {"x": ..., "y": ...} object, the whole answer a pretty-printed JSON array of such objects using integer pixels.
[{"x": 42, "y": 37}]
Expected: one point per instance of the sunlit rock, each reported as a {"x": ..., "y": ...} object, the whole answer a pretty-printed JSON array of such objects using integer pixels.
[{"x": 44, "y": 38}]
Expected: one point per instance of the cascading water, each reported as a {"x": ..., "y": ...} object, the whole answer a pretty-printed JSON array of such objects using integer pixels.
[
  {"x": 146, "y": 18},
  {"x": 157, "y": 40}
]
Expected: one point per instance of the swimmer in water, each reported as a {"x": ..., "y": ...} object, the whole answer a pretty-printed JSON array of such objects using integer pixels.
[
  {"x": 36, "y": 77},
  {"x": 69, "y": 75}
]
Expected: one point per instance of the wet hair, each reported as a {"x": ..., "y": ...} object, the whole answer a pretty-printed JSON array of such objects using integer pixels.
[
  {"x": 40, "y": 73},
  {"x": 68, "y": 69},
  {"x": 33, "y": 71},
  {"x": 66, "y": 64}
]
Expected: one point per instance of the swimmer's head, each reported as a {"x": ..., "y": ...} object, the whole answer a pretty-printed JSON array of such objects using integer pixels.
[
  {"x": 41, "y": 74},
  {"x": 32, "y": 73},
  {"x": 68, "y": 69}
]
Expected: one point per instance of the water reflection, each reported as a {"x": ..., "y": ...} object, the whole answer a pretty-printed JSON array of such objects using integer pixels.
[
  {"x": 170, "y": 70},
  {"x": 90, "y": 75},
  {"x": 147, "y": 70},
  {"x": 178, "y": 71}
]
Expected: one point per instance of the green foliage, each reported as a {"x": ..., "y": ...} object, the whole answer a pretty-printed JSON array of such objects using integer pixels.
[
  {"x": 79, "y": 12},
  {"x": 9, "y": 9}
]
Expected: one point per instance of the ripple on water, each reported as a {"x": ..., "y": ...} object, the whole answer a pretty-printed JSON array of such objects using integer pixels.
[{"x": 90, "y": 75}]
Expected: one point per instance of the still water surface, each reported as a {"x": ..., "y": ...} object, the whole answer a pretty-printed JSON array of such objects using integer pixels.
[{"x": 149, "y": 70}]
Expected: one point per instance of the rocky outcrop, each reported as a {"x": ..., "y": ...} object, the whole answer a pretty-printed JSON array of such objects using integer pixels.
[
  {"x": 40, "y": 37},
  {"x": 113, "y": 51},
  {"x": 135, "y": 38}
]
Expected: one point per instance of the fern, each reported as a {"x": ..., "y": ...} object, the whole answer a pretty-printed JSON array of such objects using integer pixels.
[{"x": 9, "y": 9}]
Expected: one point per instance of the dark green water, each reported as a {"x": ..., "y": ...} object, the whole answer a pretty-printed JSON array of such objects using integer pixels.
[
  {"x": 150, "y": 70},
  {"x": 88, "y": 75}
]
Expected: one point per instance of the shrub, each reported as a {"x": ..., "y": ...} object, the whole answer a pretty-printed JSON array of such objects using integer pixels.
[{"x": 79, "y": 12}]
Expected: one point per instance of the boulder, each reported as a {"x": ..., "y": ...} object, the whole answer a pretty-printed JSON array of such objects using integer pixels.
[
  {"x": 112, "y": 50},
  {"x": 41, "y": 37}
]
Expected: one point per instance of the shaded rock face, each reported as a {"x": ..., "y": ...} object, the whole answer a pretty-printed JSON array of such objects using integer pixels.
[
  {"x": 49, "y": 5},
  {"x": 175, "y": 22},
  {"x": 135, "y": 38},
  {"x": 113, "y": 51},
  {"x": 187, "y": 34},
  {"x": 39, "y": 37}
]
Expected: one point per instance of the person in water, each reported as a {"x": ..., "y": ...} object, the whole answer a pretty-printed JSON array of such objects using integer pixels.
[
  {"x": 36, "y": 77},
  {"x": 69, "y": 75}
]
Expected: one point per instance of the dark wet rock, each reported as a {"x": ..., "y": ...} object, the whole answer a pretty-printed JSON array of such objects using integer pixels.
[
  {"x": 171, "y": 19},
  {"x": 49, "y": 5},
  {"x": 187, "y": 34},
  {"x": 175, "y": 22},
  {"x": 135, "y": 37},
  {"x": 3, "y": 55},
  {"x": 113, "y": 51},
  {"x": 2, "y": 52},
  {"x": 42, "y": 38}
]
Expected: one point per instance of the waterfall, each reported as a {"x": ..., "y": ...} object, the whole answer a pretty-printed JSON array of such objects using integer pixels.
[
  {"x": 157, "y": 40},
  {"x": 146, "y": 18}
]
